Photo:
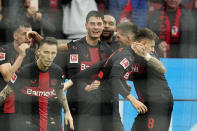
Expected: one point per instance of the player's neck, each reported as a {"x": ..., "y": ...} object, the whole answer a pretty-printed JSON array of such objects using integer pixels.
[
  {"x": 168, "y": 9},
  {"x": 107, "y": 40},
  {"x": 16, "y": 46},
  {"x": 41, "y": 66},
  {"x": 91, "y": 41}
]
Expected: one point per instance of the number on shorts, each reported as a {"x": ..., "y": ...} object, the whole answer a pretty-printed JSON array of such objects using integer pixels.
[{"x": 151, "y": 123}]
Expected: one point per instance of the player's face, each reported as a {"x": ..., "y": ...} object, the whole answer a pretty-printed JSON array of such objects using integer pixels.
[
  {"x": 109, "y": 26},
  {"x": 173, "y": 4},
  {"x": 94, "y": 27},
  {"x": 46, "y": 55},
  {"x": 20, "y": 37},
  {"x": 150, "y": 46}
]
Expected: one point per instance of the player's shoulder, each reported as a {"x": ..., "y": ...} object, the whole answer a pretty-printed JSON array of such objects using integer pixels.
[
  {"x": 76, "y": 44},
  {"x": 27, "y": 67},
  {"x": 123, "y": 51},
  {"x": 104, "y": 44},
  {"x": 56, "y": 68},
  {"x": 6, "y": 47}
]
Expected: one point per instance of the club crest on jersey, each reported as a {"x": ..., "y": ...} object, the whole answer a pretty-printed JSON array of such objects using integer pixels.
[
  {"x": 2, "y": 56},
  {"x": 53, "y": 82},
  {"x": 13, "y": 79},
  {"x": 74, "y": 58},
  {"x": 124, "y": 63}
]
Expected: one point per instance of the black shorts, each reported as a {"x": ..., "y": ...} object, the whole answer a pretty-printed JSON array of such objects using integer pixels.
[
  {"x": 6, "y": 121},
  {"x": 157, "y": 118}
]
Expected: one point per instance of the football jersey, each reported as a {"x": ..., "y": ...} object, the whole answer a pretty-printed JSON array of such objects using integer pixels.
[
  {"x": 35, "y": 91},
  {"x": 8, "y": 54}
]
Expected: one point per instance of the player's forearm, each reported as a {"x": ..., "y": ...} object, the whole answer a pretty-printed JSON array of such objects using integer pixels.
[
  {"x": 120, "y": 87},
  {"x": 17, "y": 63},
  {"x": 157, "y": 65},
  {"x": 62, "y": 99},
  {"x": 5, "y": 93},
  {"x": 62, "y": 47}
]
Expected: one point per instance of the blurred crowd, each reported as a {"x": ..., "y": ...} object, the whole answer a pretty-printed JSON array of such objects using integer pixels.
[{"x": 174, "y": 21}]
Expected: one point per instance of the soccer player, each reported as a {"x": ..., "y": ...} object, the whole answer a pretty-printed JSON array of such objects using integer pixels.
[
  {"x": 12, "y": 57},
  {"x": 108, "y": 34},
  {"x": 35, "y": 86},
  {"x": 149, "y": 81},
  {"x": 151, "y": 87},
  {"x": 113, "y": 75},
  {"x": 82, "y": 54}
]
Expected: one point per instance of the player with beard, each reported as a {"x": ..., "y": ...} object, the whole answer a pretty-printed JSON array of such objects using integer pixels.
[
  {"x": 35, "y": 85},
  {"x": 113, "y": 82},
  {"x": 108, "y": 32},
  {"x": 12, "y": 57}
]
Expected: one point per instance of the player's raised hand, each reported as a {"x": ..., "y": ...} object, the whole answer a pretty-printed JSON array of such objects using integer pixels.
[
  {"x": 22, "y": 49},
  {"x": 69, "y": 120},
  {"x": 139, "y": 49},
  {"x": 34, "y": 35}
]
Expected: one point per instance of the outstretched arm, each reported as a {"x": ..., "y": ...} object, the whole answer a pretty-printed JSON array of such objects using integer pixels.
[
  {"x": 156, "y": 64},
  {"x": 63, "y": 100},
  {"x": 5, "y": 93},
  {"x": 38, "y": 38}
]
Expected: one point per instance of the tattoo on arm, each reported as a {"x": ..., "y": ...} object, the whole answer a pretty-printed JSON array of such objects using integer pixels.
[
  {"x": 157, "y": 65},
  {"x": 5, "y": 93},
  {"x": 62, "y": 99}
]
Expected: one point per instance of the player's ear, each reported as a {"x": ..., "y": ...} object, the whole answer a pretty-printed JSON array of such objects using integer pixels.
[
  {"x": 129, "y": 38},
  {"x": 86, "y": 25},
  {"x": 38, "y": 52},
  {"x": 15, "y": 36}
]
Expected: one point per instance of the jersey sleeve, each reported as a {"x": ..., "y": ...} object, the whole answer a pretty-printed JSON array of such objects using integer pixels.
[
  {"x": 60, "y": 78},
  {"x": 88, "y": 72},
  {"x": 118, "y": 83},
  {"x": 3, "y": 55},
  {"x": 16, "y": 81}
]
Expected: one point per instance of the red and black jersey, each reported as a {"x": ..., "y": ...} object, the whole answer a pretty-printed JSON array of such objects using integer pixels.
[
  {"x": 8, "y": 54},
  {"x": 35, "y": 93},
  {"x": 113, "y": 74},
  {"x": 150, "y": 85},
  {"x": 80, "y": 56}
]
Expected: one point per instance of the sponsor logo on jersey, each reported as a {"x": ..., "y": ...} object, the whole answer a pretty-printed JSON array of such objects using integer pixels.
[
  {"x": 32, "y": 81},
  {"x": 84, "y": 66},
  {"x": 32, "y": 92},
  {"x": 124, "y": 63},
  {"x": 135, "y": 68},
  {"x": 14, "y": 77},
  {"x": 74, "y": 58},
  {"x": 2, "y": 56}
]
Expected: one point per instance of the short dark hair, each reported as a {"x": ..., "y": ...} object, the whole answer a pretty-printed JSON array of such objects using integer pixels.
[
  {"x": 128, "y": 28},
  {"x": 48, "y": 40},
  {"x": 146, "y": 33},
  {"x": 94, "y": 13},
  {"x": 17, "y": 26}
]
